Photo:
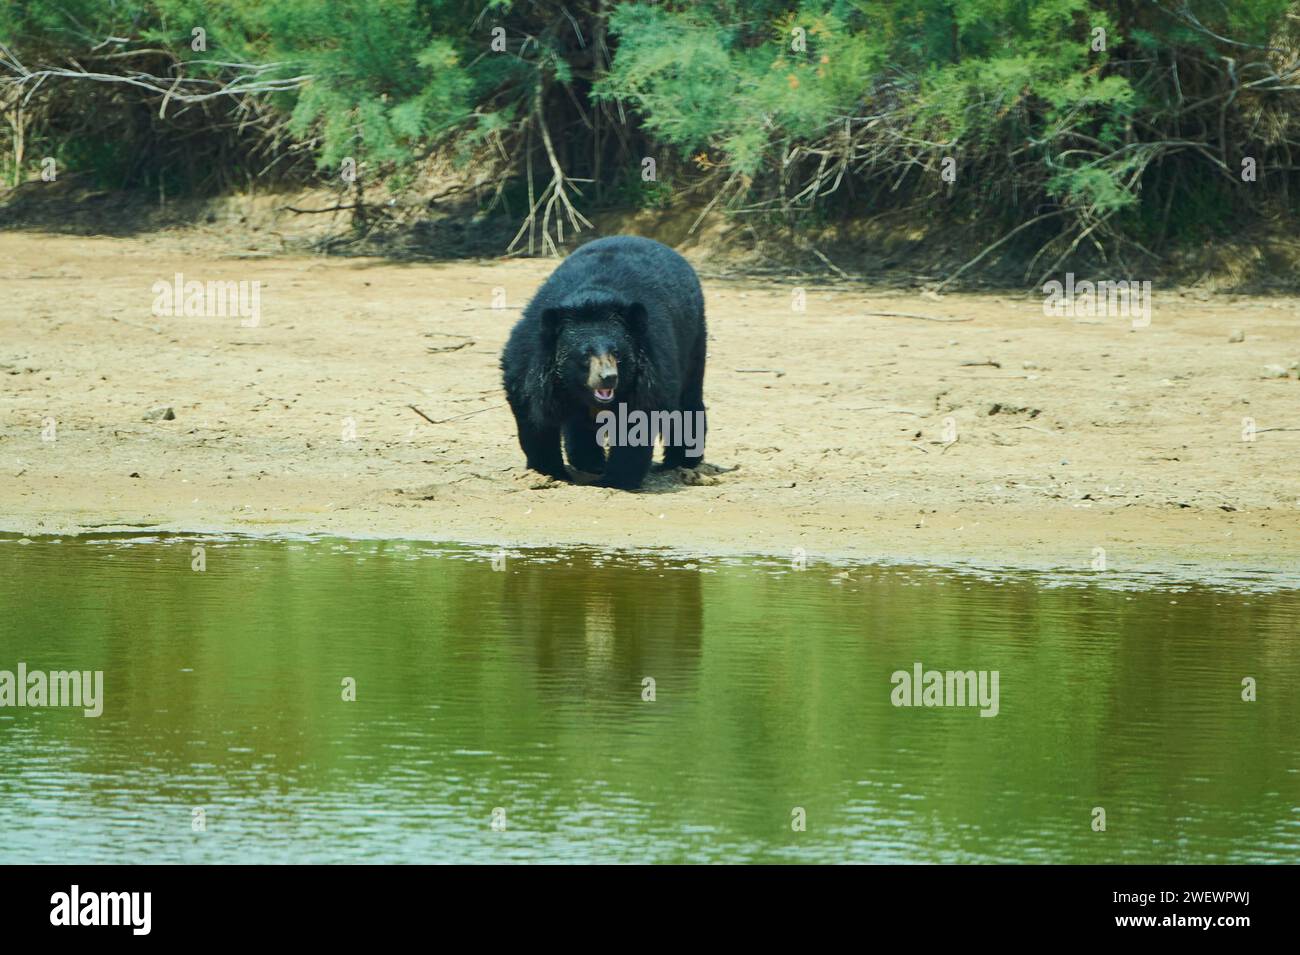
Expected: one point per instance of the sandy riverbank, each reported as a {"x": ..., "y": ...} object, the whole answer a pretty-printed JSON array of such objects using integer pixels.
[{"x": 1071, "y": 433}]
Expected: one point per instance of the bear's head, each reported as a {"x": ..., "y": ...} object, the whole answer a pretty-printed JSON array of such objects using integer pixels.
[{"x": 599, "y": 352}]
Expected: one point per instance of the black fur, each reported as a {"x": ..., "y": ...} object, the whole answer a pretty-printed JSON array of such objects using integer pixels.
[{"x": 626, "y": 296}]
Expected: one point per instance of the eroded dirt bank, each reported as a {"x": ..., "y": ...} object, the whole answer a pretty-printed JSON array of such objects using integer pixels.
[{"x": 1071, "y": 433}]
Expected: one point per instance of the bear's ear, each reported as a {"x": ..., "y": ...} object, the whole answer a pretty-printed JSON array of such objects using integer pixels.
[{"x": 634, "y": 316}]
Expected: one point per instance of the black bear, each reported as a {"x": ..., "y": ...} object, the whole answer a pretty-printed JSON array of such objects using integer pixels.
[{"x": 615, "y": 336}]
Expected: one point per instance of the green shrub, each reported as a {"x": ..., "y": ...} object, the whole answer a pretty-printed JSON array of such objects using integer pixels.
[{"x": 778, "y": 107}]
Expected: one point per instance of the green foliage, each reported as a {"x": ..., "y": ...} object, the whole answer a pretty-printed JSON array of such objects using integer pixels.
[
  {"x": 700, "y": 83},
  {"x": 632, "y": 192},
  {"x": 1037, "y": 114},
  {"x": 386, "y": 81},
  {"x": 384, "y": 90}
]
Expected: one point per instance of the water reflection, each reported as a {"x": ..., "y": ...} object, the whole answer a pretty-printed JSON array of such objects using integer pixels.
[{"x": 525, "y": 690}]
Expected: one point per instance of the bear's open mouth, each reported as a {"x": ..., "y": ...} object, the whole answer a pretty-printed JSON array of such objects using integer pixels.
[{"x": 603, "y": 394}]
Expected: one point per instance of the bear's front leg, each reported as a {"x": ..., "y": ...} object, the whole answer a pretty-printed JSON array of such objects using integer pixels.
[
  {"x": 585, "y": 454},
  {"x": 541, "y": 448},
  {"x": 627, "y": 466}
]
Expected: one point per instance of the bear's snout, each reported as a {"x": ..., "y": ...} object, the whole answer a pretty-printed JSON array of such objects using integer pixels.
[{"x": 602, "y": 376}]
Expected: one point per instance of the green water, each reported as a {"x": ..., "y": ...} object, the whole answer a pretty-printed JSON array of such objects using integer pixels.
[{"x": 522, "y": 690}]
